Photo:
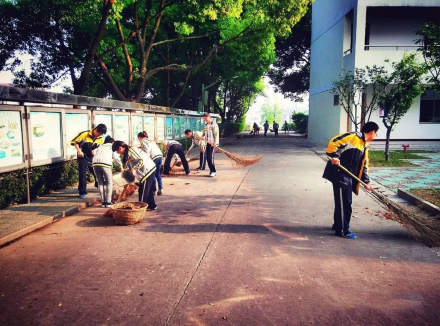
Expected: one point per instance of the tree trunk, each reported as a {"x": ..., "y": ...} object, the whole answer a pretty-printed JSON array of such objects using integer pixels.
[{"x": 387, "y": 145}]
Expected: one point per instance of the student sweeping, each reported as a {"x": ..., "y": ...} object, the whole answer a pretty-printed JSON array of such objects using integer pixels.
[
  {"x": 173, "y": 147},
  {"x": 150, "y": 147},
  {"x": 102, "y": 162},
  {"x": 211, "y": 134},
  {"x": 349, "y": 150},
  {"x": 142, "y": 167},
  {"x": 197, "y": 140}
]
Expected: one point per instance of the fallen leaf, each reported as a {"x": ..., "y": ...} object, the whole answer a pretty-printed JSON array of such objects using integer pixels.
[
  {"x": 187, "y": 183},
  {"x": 225, "y": 318},
  {"x": 141, "y": 294},
  {"x": 60, "y": 304},
  {"x": 211, "y": 304}
]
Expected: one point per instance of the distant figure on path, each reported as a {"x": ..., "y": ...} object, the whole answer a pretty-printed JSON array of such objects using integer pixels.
[
  {"x": 85, "y": 142},
  {"x": 349, "y": 150},
  {"x": 275, "y": 128},
  {"x": 197, "y": 140},
  {"x": 286, "y": 127},
  {"x": 256, "y": 129},
  {"x": 266, "y": 128}
]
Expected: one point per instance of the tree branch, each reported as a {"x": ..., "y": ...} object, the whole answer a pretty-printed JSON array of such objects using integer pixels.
[{"x": 184, "y": 38}]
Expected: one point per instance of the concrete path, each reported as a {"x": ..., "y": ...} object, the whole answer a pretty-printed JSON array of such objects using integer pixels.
[{"x": 250, "y": 247}]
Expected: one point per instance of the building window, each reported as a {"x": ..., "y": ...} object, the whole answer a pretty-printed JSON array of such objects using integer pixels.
[
  {"x": 430, "y": 107},
  {"x": 335, "y": 100},
  {"x": 348, "y": 33}
]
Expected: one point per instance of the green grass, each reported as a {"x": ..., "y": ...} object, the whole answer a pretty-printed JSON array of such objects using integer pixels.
[{"x": 377, "y": 158}]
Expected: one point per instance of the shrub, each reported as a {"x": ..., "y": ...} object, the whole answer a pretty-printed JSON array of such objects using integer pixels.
[{"x": 300, "y": 121}]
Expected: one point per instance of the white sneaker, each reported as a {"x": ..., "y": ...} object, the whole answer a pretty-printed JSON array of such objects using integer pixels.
[{"x": 213, "y": 174}]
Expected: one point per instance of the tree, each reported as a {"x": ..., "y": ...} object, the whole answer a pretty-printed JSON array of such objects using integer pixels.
[
  {"x": 300, "y": 120},
  {"x": 272, "y": 113},
  {"x": 351, "y": 92},
  {"x": 290, "y": 73},
  {"x": 403, "y": 86},
  {"x": 128, "y": 46},
  {"x": 429, "y": 38}
]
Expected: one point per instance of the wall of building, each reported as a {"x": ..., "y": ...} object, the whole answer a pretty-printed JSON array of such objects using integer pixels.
[{"x": 326, "y": 120}]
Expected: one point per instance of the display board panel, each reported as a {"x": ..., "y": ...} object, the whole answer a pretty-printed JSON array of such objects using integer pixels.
[
  {"x": 11, "y": 138},
  {"x": 107, "y": 120},
  {"x": 46, "y": 135},
  {"x": 75, "y": 123},
  {"x": 193, "y": 124},
  {"x": 121, "y": 128},
  {"x": 176, "y": 128},
  {"x": 137, "y": 122},
  {"x": 169, "y": 128},
  {"x": 160, "y": 128},
  {"x": 149, "y": 126},
  {"x": 182, "y": 126}
]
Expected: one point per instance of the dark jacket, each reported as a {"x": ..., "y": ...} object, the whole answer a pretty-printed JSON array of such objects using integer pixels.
[{"x": 352, "y": 151}]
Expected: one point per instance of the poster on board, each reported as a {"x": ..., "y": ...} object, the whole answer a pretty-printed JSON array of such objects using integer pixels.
[
  {"x": 137, "y": 126},
  {"x": 160, "y": 128},
  {"x": 11, "y": 138},
  {"x": 193, "y": 124},
  {"x": 176, "y": 128},
  {"x": 169, "y": 128},
  {"x": 121, "y": 131},
  {"x": 46, "y": 135},
  {"x": 75, "y": 123},
  {"x": 107, "y": 120},
  {"x": 149, "y": 126},
  {"x": 182, "y": 127}
]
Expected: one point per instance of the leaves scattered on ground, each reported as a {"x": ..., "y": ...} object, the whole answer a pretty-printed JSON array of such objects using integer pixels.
[{"x": 430, "y": 195}]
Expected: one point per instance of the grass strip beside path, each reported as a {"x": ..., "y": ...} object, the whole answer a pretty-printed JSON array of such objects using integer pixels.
[
  {"x": 430, "y": 195},
  {"x": 377, "y": 158}
]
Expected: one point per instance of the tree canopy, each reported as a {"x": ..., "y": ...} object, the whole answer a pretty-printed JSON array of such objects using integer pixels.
[{"x": 147, "y": 51}]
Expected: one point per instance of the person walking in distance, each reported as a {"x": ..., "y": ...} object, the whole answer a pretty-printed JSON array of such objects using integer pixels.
[
  {"x": 349, "y": 150},
  {"x": 197, "y": 140},
  {"x": 173, "y": 147},
  {"x": 266, "y": 128},
  {"x": 85, "y": 142},
  {"x": 142, "y": 167},
  {"x": 286, "y": 127},
  {"x": 211, "y": 135},
  {"x": 275, "y": 128}
]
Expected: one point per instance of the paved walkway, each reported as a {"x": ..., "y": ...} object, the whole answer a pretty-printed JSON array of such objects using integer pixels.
[{"x": 250, "y": 247}]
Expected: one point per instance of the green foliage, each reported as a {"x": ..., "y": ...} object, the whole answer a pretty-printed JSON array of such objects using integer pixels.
[
  {"x": 300, "y": 121},
  {"x": 227, "y": 129},
  {"x": 429, "y": 39},
  {"x": 42, "y": 179},
  {"x": 272, "y": 113},
  {"x": 290, "y": 126},
  {"x": 377, "y": 158},
  {"x": 351, "y": 87}
]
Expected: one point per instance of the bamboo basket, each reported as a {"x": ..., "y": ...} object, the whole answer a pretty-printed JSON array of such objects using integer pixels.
[{"x": 129, "y": 213}]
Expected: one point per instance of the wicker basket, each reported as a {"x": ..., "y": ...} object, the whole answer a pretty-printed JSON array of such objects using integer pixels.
[{"x": 129, "y": 213}]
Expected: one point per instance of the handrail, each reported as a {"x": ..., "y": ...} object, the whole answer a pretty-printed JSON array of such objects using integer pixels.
[{"x": 367, "y": 47}]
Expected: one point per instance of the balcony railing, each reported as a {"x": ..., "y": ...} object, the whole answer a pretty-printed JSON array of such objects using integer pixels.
[{"x": 392, "y": 47}]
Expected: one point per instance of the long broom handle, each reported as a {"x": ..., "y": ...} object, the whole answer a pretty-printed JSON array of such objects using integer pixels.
[{"x": 349, "y": 173}]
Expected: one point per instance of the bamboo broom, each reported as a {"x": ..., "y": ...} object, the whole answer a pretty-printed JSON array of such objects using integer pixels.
[
  {"x": 426, "y": 230},
  {"x": 239, "y": 161}
]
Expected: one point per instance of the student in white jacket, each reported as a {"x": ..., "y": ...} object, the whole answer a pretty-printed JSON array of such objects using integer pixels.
[
  {"x": 142, "y": 167},
  {"x": 102, "y": 163},
  {"x": 150, "y": 147}
]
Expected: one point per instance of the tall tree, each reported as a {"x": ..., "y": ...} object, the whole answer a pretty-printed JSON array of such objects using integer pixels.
[
  {"x": 123, "y": 44},
  {"x": 429, "y": 39},
  {"x": 403, "y": 86},
  {"x": 290, "y": 73},
  {"x": 272, "y": 112}
]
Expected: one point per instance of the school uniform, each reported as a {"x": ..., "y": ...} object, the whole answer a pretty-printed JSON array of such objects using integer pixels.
[
  {"x": 275, "y": 129},
  {"x": 87, "y": 144},
  {"x": 174, "y": 147},
  {"x": 151, "y": 148},
  {"x": 266, "y": 128},
  {"x": 211, "y": 133},
  {"x": 143, "y": 169},
  {"x": 102, "y": 162},
  {"x": 352, "y": 151},
  {"x": 197, "y": 140}
]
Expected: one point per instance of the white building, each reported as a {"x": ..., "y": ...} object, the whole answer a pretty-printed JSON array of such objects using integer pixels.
[{"x": 349, "y": 34}]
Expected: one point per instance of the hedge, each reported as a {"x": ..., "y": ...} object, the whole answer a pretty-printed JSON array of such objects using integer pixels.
[{"x": 227, "y": 129}]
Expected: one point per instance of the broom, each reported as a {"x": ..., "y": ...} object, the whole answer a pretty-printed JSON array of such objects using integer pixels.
[
  {"x": 426, "y": 230},
  {"x": 239, "y": 161}
]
